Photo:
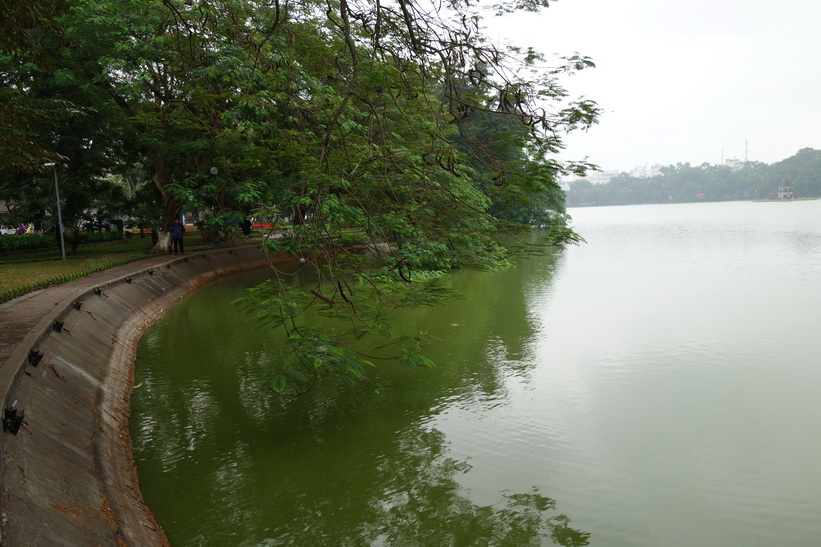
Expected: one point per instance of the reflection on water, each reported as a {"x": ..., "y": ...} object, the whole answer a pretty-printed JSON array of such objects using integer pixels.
[
  {"x": 222, "y": 460},
  {"x": 422, "y": 503},
  {"x": 659, "y": 382}
]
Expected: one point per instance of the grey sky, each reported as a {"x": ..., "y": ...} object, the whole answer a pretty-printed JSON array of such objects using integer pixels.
[{"x": 687, "y": 81}]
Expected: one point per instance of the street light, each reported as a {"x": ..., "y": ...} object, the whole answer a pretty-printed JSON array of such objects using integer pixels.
[{"x": 59, "y": 213}]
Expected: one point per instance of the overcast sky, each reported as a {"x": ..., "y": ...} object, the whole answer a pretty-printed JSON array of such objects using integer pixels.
[{"x": 687, "y": 81}]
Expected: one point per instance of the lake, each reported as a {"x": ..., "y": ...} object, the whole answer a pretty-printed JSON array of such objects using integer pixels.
[{"x": 655, "y": 386}]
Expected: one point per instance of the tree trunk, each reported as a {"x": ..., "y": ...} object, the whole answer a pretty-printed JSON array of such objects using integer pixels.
[
  {"x": 163, "y": 243},
  {"x": 162, "y": 179},
  {"x": 75, "y": 241}
]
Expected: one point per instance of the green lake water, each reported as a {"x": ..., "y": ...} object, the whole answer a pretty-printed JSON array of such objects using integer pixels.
[{"x": 656, "y": 386}]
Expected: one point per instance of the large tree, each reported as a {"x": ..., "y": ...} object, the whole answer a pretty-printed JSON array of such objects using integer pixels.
[{"x": 345, "y": 119}]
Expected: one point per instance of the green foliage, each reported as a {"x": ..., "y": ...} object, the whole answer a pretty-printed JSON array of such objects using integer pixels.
[
  {"x": 398, "y": 124},
  {"x": 26, "y": 242},
  {"x": 341, "y": 326},
  {"x": 99, "y": 237},
  {"x": 24, "y": 27},
  {"x": 44, "y": 241}
]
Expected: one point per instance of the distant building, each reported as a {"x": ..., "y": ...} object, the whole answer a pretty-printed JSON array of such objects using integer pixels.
[
  {"x": 646, "y": 171},
  {"x": 785, "y": 190},
  {"x": 734, "y": 164},
  {"x": 603, "y": 177},
  {"x": 597, "y": 177}
]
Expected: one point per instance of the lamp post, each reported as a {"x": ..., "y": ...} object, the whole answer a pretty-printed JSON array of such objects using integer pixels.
[{"x": 59, "y": 212}]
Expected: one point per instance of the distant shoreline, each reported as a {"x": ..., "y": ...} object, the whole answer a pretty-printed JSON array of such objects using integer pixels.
[
  {"x": 690, "y": 202},
  {"x": 775, "y": 199}
]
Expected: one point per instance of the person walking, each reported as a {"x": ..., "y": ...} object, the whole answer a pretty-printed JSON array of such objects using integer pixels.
[{"x": 177, "y": 233}]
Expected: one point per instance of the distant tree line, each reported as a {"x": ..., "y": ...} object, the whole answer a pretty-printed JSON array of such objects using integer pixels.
[{"x": 682, "y": 183}]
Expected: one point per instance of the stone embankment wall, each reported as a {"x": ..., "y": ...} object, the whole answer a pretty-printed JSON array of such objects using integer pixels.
[{"x": 67, "y": 478}]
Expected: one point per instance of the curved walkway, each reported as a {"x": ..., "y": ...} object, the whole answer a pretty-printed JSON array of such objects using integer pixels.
[{"x": 66, "y": 360}]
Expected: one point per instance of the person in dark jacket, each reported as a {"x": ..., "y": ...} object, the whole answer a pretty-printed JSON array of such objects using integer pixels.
[{"x": 177, "y": 233}]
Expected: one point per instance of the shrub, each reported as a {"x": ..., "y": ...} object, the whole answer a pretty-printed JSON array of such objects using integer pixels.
[
  {"x": 26, "y": 242},
  {"x": 43, "y": 241},
  {"x": 98, "y": 237}
]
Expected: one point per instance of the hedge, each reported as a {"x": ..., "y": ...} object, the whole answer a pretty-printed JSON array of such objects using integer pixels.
[{"x": 42, "y": 241}]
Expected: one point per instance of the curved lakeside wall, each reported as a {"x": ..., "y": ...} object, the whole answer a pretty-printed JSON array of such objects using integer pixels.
[{"x": 67, "y": 478}]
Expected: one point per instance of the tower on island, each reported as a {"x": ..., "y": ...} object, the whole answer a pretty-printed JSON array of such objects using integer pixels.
[{"x": 785, "y": 190}]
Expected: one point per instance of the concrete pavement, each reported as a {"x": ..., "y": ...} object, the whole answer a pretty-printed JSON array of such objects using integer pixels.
[{"x": 66, "y": 358}]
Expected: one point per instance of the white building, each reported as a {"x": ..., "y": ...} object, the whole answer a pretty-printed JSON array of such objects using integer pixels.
[
  {"x": 734, "y": 164},
  {"x": 646, "y": 171},
  {"x": 603, "y": 177},
  {"x": 596, "y": 177}
]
